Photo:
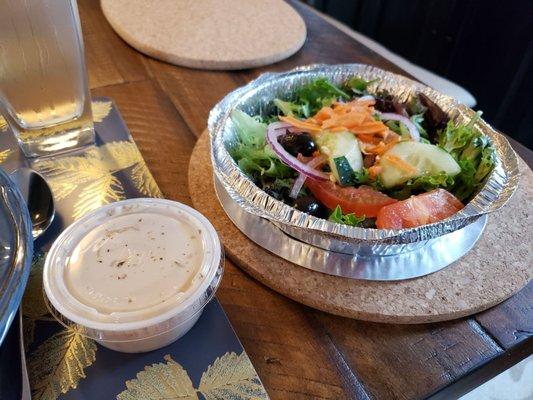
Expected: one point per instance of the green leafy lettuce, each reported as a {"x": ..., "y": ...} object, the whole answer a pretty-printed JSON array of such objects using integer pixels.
[
  {"x": 347, "y": 219},
  {"x": 358, "y": 85},
  {"x": 474, "y": 154},
  {"x": 360, "y": 177},
  {"x": 252, "y": 152},
  {"x": 423, "y": 184},
  {"x": 310, "y": 98},
  {"x": 399, "y": 128}
]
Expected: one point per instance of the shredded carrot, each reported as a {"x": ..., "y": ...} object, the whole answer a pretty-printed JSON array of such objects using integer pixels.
[
  {"x": 384, "y": 145},
  {"x": 323, "y": 114},
  {"x": 338, "y": 129},
  {"x": 308, "y": 126},
  {"x": 369, "y": 138},
  {"x": 356, "y": 116},
  {"x": 400, "y": 163},
  {"x": 374, "y": 171}
]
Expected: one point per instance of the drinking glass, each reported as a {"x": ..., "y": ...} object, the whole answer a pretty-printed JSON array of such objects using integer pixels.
[{"x": 44, "y": 95}]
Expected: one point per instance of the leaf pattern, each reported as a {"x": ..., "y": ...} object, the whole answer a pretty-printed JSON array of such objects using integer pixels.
[
  {"x": 144, "y": 181},
  {"x": 28, "y": 332},
  {"x": 232, "y": 377},
  {"x": 3, "y": 124},
  {"x": 33, "y": 305},
  {"x": 100, "y": 109},
  {"x": 104, "y": 190},
  {"x": 123, "y": 155},
  {"x": 58, "y": 364},
  {"x": 93, "y": 173},
  {"x": 4, "y": 154},
  {"x": 160, "y": 381},
  {"x": 66, "y": 174}
]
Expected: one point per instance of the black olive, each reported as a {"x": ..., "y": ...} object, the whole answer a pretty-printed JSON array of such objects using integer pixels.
[
  {"x": 281, "y": 195},
  {"x": 310, "y": 205},
  {"x": 298, "y": 143}
]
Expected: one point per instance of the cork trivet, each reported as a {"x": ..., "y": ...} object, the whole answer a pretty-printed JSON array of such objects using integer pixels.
[
  {"x": 499, "y": 265},
  {"x": 209, "y": 34}
]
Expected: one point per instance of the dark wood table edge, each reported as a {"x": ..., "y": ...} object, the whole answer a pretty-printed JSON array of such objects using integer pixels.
[{"x": 485, "y": 372}]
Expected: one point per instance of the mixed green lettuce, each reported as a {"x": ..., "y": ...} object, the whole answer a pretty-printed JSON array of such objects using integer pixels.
[
  {"x": 473, "y": 152},
  {"x": 310, "y": 98},
  {"x": 347, "y": 219},
  {"x": 252, "y": 153},
  {"x": 423, "y": 184}
]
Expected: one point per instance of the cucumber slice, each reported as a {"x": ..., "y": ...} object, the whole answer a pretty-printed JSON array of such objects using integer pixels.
[
  {"x": 344, "y": 155},
  {"x": 407, "y": 160}
]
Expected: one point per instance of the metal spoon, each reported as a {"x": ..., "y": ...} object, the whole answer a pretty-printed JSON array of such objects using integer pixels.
[{"x": 38, "y": 197}]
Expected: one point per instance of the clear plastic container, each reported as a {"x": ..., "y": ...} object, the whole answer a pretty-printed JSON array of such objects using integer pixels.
[{"x": 149, "y": 327}]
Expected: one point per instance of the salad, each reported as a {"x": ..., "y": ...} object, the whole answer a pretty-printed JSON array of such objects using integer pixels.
[{"x": 339, "y": 153}]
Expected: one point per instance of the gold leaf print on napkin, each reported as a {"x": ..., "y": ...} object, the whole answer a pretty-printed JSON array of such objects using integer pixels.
[
  {"x": 104, "y": 190},
  {"x": 100, "y": 109},
  {"x": 3, "y": 124},
  {"x": 230, "y": 377},
  {"x": 4, "y": 154},
  {"x": 123, "y": 155},
  {"x": 33, "y": 305},
  {"x": 88, "y": 173},
  {"x": 92, "y": 175},
  {"x": 58, "y": 364},
  {"x": 160, "y": 381}
]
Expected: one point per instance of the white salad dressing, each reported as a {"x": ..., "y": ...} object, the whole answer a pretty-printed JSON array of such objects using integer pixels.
[
  {"x": 133, "y": 262},
  {"x": 134, "y": 275}
]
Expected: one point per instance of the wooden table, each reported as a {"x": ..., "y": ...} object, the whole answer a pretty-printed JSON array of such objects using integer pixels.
[{"x": 299, "y": 353}]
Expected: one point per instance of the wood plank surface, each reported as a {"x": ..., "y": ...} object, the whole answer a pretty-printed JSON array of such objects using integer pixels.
[
  {"x": 109, "y": 60},
  {"x": 298, "y": 352}
]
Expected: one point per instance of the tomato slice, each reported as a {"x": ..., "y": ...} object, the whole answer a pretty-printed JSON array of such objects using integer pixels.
[
  {"x": 361, "y": 201},
  {"x": 419, "y": 210}
]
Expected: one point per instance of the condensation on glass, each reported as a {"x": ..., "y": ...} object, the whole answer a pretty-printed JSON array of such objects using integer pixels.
[{"x": 44, "y": 94}]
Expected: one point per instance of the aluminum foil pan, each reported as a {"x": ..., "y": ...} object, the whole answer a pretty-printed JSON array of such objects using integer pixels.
[{"x": 256, "y": 97}]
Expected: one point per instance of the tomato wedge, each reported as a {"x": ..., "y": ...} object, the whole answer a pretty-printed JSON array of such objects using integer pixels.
[
  {"x": 419, "y": 210},
  {"x": 361, "y": 201}
]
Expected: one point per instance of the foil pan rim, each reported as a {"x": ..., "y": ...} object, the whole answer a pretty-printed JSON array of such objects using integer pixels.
[{"x": 497, "y": 190}]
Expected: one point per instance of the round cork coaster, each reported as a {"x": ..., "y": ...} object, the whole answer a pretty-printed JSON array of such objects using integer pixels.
[
  {"x": 209, "y": 34},
  {"x": 499, "y": 265}
]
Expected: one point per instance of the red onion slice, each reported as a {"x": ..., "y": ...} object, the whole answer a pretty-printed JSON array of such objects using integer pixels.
[
  {"x": 277, "y": 129},
  {"x": 297, "y": 186},
  {"x": 413, "y": 131},
  {"x": 299, "y": 182}
]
